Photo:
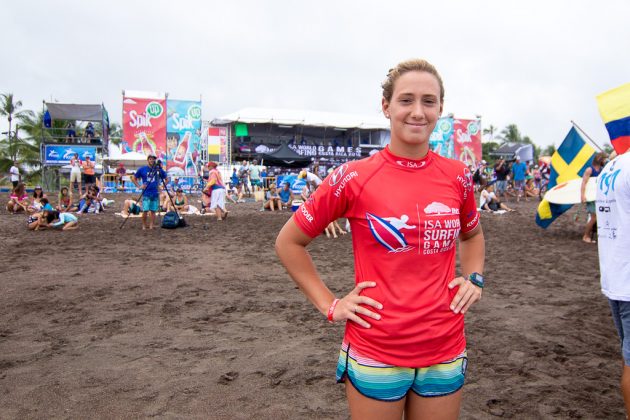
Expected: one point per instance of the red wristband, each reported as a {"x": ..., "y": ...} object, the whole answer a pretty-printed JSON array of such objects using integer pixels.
[{"x": 331, "y": 310}]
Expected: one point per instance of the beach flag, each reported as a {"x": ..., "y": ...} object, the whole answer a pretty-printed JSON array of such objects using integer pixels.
[
  {"x": 614, "y": 107},
  {"x": 568, "y": 162}
]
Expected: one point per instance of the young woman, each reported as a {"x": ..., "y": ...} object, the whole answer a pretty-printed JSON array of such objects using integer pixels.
[
  {"x": 272, "y": 200},
  {"x": 404, "y": 349},
  {"x": 36, "y": 205},
  {"x": 65, "y": 200},
  {"x": 65, "y": 221},
  {"x": 180, "y": 201},
  {"x": 18, "y": 200}
]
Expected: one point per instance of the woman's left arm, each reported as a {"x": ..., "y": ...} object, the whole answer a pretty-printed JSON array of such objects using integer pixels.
[{"x": 472, "y": 257}]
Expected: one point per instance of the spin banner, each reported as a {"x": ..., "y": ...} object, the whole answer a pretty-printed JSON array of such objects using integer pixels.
[
  {"x": 144, "y": 126},
  {"x": 467, "y": 135},
  {"x": 183, "y": 125}
]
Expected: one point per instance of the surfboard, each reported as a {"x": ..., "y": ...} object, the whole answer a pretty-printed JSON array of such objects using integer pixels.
[{"x": 569, "y": 192}]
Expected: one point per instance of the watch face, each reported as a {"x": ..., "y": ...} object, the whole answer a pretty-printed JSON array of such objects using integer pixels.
[{"x": 476, "y": 279}]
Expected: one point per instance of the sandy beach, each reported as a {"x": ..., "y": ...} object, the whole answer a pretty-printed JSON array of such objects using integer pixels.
[{"x": 203, "y": 322}]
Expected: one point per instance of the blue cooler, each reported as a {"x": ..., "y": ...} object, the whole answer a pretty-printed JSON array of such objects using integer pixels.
[{"x": 295, "y": 204}]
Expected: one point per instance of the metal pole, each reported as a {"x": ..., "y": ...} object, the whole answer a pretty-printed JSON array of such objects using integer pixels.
[{"x": 587, "y": 136}]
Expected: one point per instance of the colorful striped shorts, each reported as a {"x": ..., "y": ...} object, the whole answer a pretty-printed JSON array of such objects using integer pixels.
[{"x": 391, "y": 383}]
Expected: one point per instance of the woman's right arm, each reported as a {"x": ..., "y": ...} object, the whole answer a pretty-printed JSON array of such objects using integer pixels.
[{"x": 291, "y": 248}]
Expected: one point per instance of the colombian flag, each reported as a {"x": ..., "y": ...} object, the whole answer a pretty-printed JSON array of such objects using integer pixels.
[
  {"x": 614, "y": 107},
  {"x": 568, "y": 162}
]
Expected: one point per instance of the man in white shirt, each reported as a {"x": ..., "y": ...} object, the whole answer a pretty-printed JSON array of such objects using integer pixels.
[
  {"x": 15, "y": 174},
  {"x": 612, "y": 204},
  {"x": 312, "y": 180}
]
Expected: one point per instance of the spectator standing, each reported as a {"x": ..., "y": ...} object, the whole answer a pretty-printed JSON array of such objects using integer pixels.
[
  {"x": 217, "y": 188},
  {"x": 75, "y": 173},
  {"x": 519, "y": 170},
  {"x": 14, "y": 173},
  {"x": 89, "y": 172},
  {"x": 89, "y": 132},
  {"x": 254, "y": 175},
  {"x": 121, "y": 172},
  {"x": 501, "y": 170}
]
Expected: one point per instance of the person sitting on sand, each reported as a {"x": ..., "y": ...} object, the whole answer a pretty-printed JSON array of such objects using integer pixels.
[
  {"x": 45, "y": 204},
  {"x": 65, "y": 200},
  {"x": 36, "y": 206},
  {"x": 286, "y": 195},
  {"x": 530, "y": 188},
  {"x": 65, "y": 221},
  {"x": 488, "y": 200},
  {"x": 130, "y": 207},
  {"x": 165, "y": 199},
  {"x": 272, "y": 200},
  {"x": 90, "y": 201},
  {"x": 180, "y": 201},
  {"x": 18, "y": 200},
  {"x": 332, "y": 229}
]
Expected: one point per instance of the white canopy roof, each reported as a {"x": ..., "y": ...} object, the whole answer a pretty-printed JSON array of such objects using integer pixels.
[{"x": 304, "y": 117}]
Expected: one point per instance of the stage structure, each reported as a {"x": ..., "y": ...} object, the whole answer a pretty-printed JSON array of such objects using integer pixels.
[
  {"x": 85, "y": 130},
  {"x": 328, "y": 139}
]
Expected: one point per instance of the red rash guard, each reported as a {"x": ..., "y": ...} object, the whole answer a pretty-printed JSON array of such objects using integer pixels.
[{"x": 406, "y": 216}]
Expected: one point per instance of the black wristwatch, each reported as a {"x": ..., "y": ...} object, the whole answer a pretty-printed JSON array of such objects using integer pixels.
[{"x": 476, "y": 279}]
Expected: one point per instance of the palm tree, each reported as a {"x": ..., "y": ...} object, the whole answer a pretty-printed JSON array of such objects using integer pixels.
[
  {"x": 490, "y": 130},
  {"x": 510, "y": 134},
  {"x": 11, "y": 110}
]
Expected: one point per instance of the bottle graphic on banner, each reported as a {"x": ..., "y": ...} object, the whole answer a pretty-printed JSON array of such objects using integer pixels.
[
  {"x": 182, "y": 150},
  {"x": 145, "y": 144}
]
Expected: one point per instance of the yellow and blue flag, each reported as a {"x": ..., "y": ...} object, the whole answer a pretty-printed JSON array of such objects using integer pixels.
[
  {"x": 568, "y": 162},
  {"x": 614, "y": 107}
]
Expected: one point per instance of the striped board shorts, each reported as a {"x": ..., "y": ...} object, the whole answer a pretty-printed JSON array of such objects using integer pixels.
[{"x": 383, "y": 382}]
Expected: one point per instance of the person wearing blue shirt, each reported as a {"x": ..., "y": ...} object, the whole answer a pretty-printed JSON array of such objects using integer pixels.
[
  {"x": 286, "y": 195},
  {"x": 519, "y": 170},
  {"x": 151, "y": 177}
]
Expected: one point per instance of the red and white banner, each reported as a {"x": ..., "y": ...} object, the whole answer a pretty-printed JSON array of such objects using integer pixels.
[
  {"x": 467, "y": 134},
  {"x": 144, "y": 126}
]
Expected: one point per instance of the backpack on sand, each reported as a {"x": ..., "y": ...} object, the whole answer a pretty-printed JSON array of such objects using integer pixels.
[{"x": 172, "y": 220}]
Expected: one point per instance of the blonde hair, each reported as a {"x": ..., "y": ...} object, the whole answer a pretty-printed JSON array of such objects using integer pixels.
[{"x": 403, "y": 67}]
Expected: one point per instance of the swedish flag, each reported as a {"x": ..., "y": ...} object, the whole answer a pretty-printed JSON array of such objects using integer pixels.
[{"x": 568, "y": 162}]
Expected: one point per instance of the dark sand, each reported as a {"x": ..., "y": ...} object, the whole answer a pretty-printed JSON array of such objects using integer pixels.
[{"x": 203, "y": 322}]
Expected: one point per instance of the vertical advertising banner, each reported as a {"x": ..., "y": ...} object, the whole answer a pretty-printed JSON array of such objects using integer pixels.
[
  {"x": 144, "y": 126},
  {"x": 441, "y": 140},
  {"x": 467, "y": 141},
  {"x": 183, "y": 137},
  {"x": 217, "y": 144}
]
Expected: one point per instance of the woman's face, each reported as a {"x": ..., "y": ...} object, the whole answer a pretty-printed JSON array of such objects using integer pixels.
[{"x": 413, "y": 111}]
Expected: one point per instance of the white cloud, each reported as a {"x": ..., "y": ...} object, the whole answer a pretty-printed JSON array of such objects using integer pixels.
[{"x": 538, "y": 64}]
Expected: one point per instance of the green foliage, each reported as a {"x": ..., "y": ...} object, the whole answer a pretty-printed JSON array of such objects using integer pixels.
[{"x": 487, "y": 148}]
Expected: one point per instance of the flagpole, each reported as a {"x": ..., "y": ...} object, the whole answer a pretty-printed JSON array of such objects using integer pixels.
[{"x": 587, "y": 136}]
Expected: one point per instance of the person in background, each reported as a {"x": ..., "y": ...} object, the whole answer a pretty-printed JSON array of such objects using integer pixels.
[
  {"x": 488, "y": 200},
  {"x": 180, "y": 202},
  {"x": 216, "y": 188},
  {"x": 14, "y": 174},
  {"x": 36, "y": 205},
  {"x": 89, "y": 172},
  {"x": 501, "y": 171},
  {"x": 312, "y": 180},
  {"x": 286, "y": 195},
  {"x": 151, "y": 177},
  {"x": 130, "y": 207},
  {"x": 65, "y": 201},
  {"x": 519, "y": 171},
  {"x": 254, "y": 176},
  {"x": 272, "y": 200},
  {"x": 88, "y": 133},
  {"x": 75, "y": 173},
  {"x": 71, "y": 134},
  {"x": 65, "y": 221},
  {"x": 18, "y": 200},
  {"x": 592, "y": 171},
  {"x": 121, "y": 172},
  {"x": 404, "y": 349}
]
